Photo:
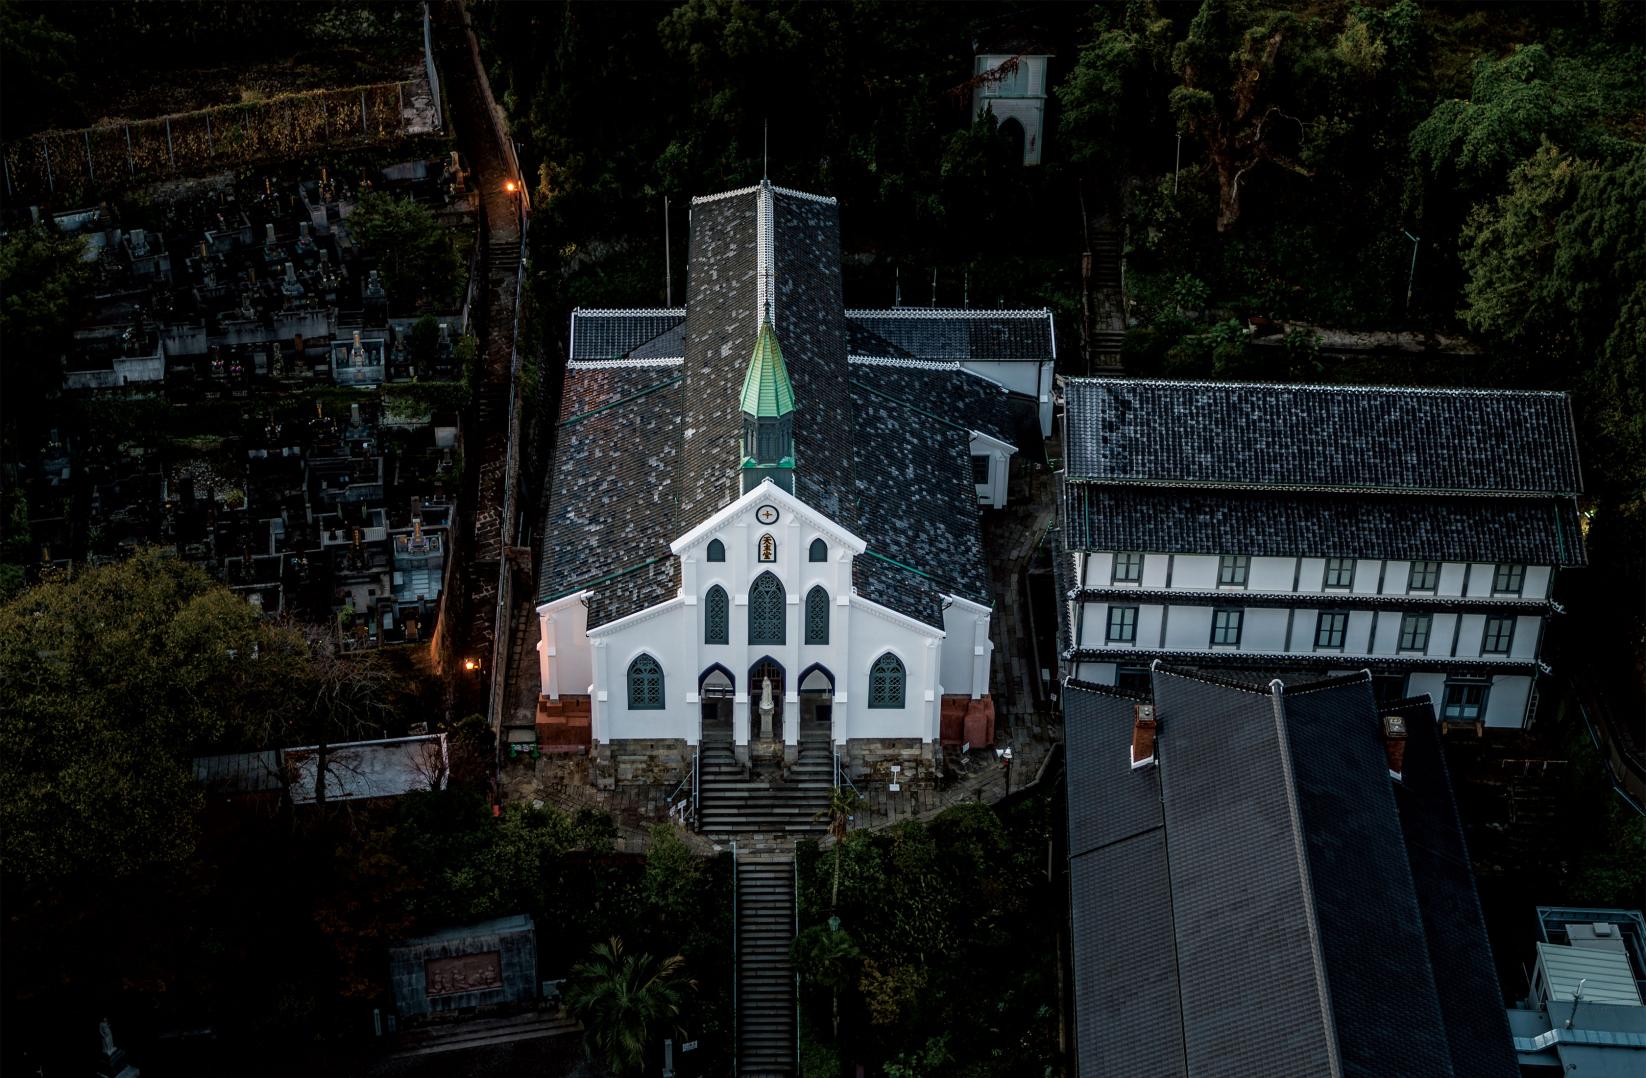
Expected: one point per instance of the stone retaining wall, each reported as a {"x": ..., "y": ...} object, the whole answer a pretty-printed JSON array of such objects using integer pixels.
[
  {"x": 642, "y": 762},
  {"x": 871, "y": 759}
]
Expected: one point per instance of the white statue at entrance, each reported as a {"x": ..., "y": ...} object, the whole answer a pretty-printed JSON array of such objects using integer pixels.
[{"x": 766, "y": 707}]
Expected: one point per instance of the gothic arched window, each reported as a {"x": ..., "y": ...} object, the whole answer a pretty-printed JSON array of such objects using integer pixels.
[
  {"x": 886, "y": 682},
  {"x": 819, "y": 551},
  {"x": 817, "y": 616},
  {"x": 645, "y": 684},
  {"x": 715, "y": 616},
  {"x": 717, "y": 550},
  {"x": 766, "y": 613}
]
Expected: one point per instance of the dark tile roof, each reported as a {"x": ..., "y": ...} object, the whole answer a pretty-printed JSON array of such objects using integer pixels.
[
  {"x": 1127, "y": 1017},
  {"x": 1317, "y": 436},
  {"x": 959, "y": 395},
  {"x": 613, "y": 490},
  {"x": 721, "y": 323},
  {"x": 609, "y": 334},
  {"x": 1371, "y": 933},
  {"x": 1240, "y": 890},
  {"x": 1531, "y": 531},
  {"x": 947, "y": 334},
  {"x": 806, "y": 277},
  {"x": 916, "y": 503},
  {"x": 1416, "y": 602},
  {"x": 1301, "y": 660},
  {"x": 1471, "y": 1002},
  {"x": 1296, "y": 872}
]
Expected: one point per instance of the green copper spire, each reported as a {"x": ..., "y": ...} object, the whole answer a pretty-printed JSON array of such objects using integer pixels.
[{"x": 767, "y": 393}]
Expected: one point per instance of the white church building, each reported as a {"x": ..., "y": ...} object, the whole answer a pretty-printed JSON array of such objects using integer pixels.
[{"x": 764, "y": 510}]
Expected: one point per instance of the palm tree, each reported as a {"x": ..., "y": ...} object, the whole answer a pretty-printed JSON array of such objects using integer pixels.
[
  {"x": 843, "y": 803},
  {"x": 626, "y": 1001}
]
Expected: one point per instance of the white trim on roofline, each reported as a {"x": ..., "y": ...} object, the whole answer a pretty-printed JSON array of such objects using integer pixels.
[
  {"x": 949, "y": 312},
  {"x": 608, "y": 364},
  {"x": 768, "y": 491}
]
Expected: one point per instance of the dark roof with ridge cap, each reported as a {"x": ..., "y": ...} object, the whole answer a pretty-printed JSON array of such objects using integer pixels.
[
  {"x": 944, "y": 333},
  {"x": 1172, "y": 520},
  {"x": 1326, "y": 437},
  {"x": 1277, "y": 822}
]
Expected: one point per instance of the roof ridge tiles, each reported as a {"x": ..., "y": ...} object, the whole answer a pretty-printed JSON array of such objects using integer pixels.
[
  {"x": 1072, "y": 682},
  {"x": 1359, "y": 677},
  {"x": 629, "y": 312},
  {"x": 1200, "y": 383},
  {"x": 1158, "y": 666},
  {"x": 623, "y": 362},
  {"x": 948, "y": 312}
]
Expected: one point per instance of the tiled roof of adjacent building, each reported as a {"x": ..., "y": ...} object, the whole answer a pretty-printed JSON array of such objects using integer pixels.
[
  {"x": 1361, "y": 438},
  {"x": 937, "y": 333},
  {"x": 650, "y": 427},
  {"x": 1531, "y": 531},
  {"x": 1267, "y": 855}
]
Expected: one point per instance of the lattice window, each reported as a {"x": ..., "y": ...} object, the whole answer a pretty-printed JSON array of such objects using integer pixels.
[
  {"x": 717, "y": 550},
  {"x": 817, "y": 616},
  {"x": 886, "y": 682},
  {"x": 819, "y": 551},
  {"x": 645, "y": 684},
  {"x": 716, "y": 616},
  {"x": 766, "y": 613}
]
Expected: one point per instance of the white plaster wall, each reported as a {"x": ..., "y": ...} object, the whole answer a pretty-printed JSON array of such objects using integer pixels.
[
  {"x": 1188, "y": 628},
  {"x": 1427, "y": 682},
  {"x": 1539, "y": 582},
  {"x": 664, "y": 633},
  {"x": 872, "y": 634},
  {"x": 1367, "y": 571},
  {"x": 1099, "y": 569},
  {"x": 1263, "y": 630},
  {"x": 1451, "y": 578},
  {"x": 564, "y": 664},
  {"x": 1506, "y": 701},
  {"x": 1197, "y": 572},
  {"x": 1480, "y": 579},
  {"x": 1155, "y": 570},
  {"x": 1271, "y": 574},
  {"x": 966, "y": 649}
]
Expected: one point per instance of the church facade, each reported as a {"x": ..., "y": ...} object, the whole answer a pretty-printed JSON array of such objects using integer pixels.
[{"x": 763, "y": 514}]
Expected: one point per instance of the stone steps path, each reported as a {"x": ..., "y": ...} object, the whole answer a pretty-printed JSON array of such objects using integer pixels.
[{"x": 766, "y": 1020}]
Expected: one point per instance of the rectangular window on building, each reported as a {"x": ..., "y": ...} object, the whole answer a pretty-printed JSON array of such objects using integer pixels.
[
  {"x": 1500, "y": 633},
  {"x": 980, "y": 470},
  {"x": 1414, "y": 631},
  {"x": 1340, "y": 572},
  {"x": 1231, "y": 570},
  {"x": 1122, "y": 624},
  {"x": 1133, "y": 679},
  {"x": 1425, "y": 576},
  {"x": 1387, "y": 687},
  {"x": 1465, "y": 701},
  {"x": 1330, "y": 628},
  {"x": 1508, "y": 579},
  {"x": 1226, "y": 627},
  {"x": 1128, "y": 567}
]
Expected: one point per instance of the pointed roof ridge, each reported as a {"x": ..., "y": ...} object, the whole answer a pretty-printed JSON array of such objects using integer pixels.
[{"x": 767, "y": 390}]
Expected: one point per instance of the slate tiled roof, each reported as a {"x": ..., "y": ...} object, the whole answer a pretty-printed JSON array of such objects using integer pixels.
[
  {"x": 959, "y": 395},
  {"x": 613, "y": 490},
  {"x": 959, "y": 334},
  {"x": 1297, "y": 874},
  {"x": 646, "y": 448},
  {"x": 1471, "y": 1003},
  {"x": 917, "y": 505},
  {"x": 1322, "y": 437},
  {"x": 609, "y": 334},
  {"x": 1530, "y": 531}
]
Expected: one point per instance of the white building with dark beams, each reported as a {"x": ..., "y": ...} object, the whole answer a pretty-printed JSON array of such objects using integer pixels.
[
  {"x": 763, "y": 509},
  {"x": 1412, "y": 532}
]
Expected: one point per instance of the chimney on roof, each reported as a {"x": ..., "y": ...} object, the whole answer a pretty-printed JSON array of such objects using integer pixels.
[
  {"x": 1143, "y": 735},
  {"x": 1394, "y": 743}
]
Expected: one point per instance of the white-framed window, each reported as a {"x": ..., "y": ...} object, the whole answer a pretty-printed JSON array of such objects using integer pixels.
[{"x": 1128, "y": 567}]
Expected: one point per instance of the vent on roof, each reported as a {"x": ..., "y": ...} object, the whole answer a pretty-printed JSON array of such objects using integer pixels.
[
  {"x": 1394, "y": 743},
  {"x": 1143, "y": 735}
]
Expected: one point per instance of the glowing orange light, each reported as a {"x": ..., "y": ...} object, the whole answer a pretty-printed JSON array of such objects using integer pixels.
[
  {"x": 471, "y": 664},
  {"x": 508, "y": 186}
]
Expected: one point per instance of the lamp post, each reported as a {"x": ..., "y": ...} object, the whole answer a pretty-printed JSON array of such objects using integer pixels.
[{"x": 1411, "y": 275}]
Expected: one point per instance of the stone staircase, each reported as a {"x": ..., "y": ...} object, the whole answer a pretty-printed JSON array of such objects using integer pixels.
[
  {"x": 766, "y": 800},
  {"x": 1108, "y": 330},
  {"x": 480, "y": 1033},
  {"x": 765, "y": 980}
]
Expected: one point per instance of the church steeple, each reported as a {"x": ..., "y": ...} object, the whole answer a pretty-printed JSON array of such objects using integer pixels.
[{"x": 768, "y": 413}]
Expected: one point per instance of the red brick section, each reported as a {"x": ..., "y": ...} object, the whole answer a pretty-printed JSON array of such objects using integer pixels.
[
  {"x": 952, "y": 718},
  {"x": 980, "y": 722},
  {"x": 563, "y": 724},
  {"x": 1394, "y": 742},
  {"x": 1143, "y": 734}
]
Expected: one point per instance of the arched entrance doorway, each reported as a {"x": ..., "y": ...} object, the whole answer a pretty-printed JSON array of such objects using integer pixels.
[
  {"x": 816, "y": 701},
  {"x": 715, "y": 689},
  {"x": 1011, "y": 132},
  {"x": 766, "y": 670}
]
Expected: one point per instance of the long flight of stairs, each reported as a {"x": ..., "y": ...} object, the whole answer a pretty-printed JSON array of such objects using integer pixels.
[
  {"x": 734, "y": 800},
  {"x": 765, "y": 979}
]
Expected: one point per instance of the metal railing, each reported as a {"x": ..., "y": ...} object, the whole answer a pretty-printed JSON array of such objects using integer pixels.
[
  {"x": 794, "y": 866},
  {"x": 841, "y": 776},
  {"x": 697, "y": 783},
  {"x": 737, "y": 1003}
]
